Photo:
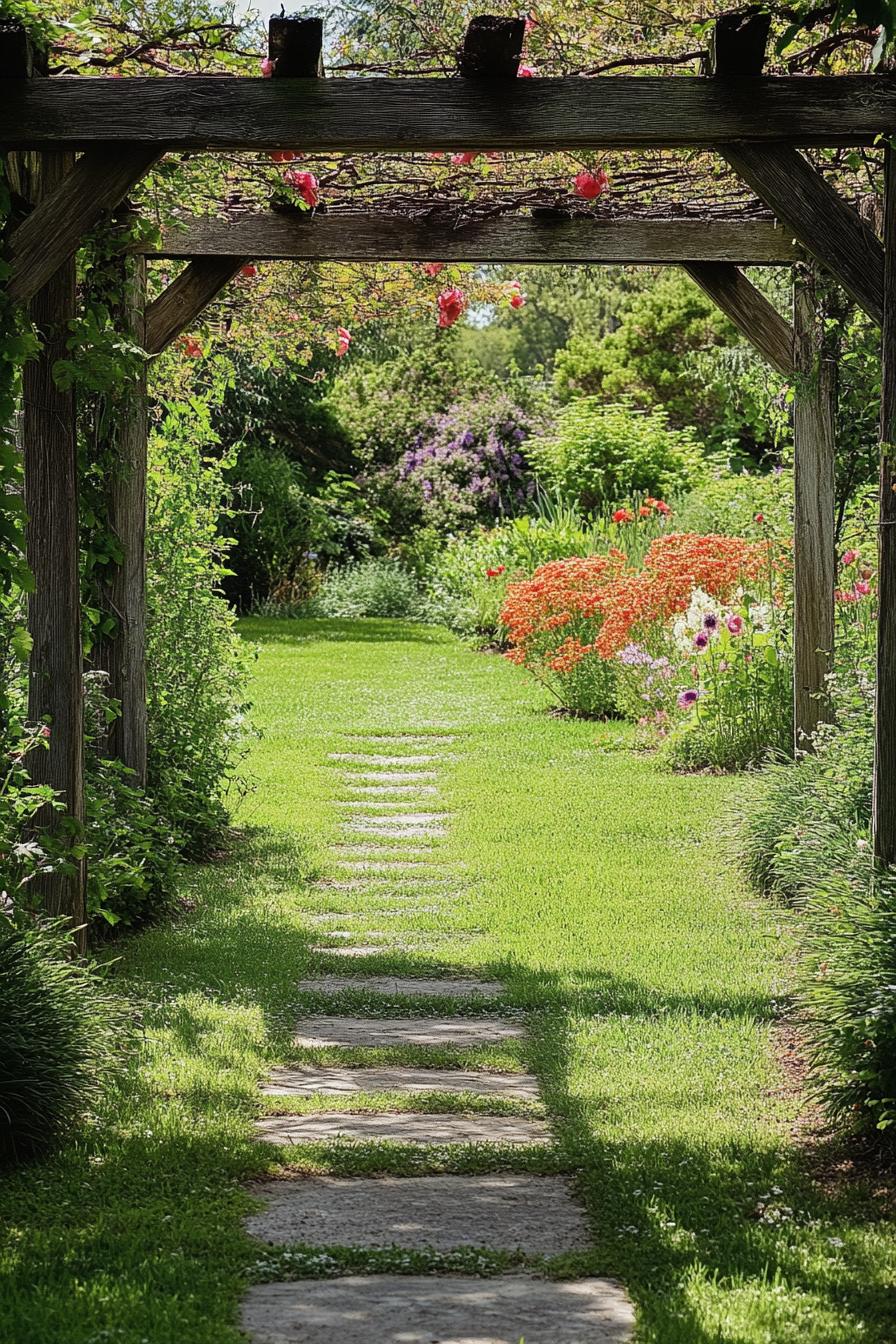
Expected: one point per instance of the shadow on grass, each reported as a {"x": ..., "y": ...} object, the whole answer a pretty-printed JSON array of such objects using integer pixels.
[{"x": 362, "y": 630}]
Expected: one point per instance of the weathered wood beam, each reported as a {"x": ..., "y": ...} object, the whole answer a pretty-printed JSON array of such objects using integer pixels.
[
  {"x": 178, "y": 306},
  {"x": 748, "y": 309},
  {"x": 55, "y": 685},
  {"x": 825, "y": 225},
  {"x": 737, "y": 43},
  {"x": 296, "y": 47},
  {"x": 492, "y": 49},
  {"x": 123, "y": 585},
  {"x": 50, "y": 235},
  {"x": 884, "y": 805},
  {"x": 814, "y": 418},
  {"x": 218, "y": 112},
  {"x": 271, "y": 236}
]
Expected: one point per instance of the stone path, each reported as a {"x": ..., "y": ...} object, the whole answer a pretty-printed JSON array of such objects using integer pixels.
[{"x": 388, "y": 858}]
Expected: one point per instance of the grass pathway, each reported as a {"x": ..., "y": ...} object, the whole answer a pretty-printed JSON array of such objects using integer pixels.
[{"x": 597, "y": 890}]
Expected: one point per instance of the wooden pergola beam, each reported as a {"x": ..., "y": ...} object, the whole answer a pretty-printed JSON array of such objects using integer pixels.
[
  {"x": 275, "y": 236},
  {"x": 51, "y": 234},
  {"x": 749, "y": 310},
  {"x": 178, "y": 306},
  {"x": 312, "y": 115},
  {"x": 824, "y": 223}
]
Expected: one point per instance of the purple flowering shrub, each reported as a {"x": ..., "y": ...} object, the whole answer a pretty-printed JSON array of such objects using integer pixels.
[{"x": 469, "y": 464}]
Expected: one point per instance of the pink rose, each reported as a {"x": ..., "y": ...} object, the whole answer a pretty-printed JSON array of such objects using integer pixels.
[
  {"x": 590, "y": 185},
  {"x": 451, "y": 304}
]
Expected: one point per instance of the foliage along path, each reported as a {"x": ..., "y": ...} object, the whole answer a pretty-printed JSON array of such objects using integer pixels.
[{"x": 638, "y": 992}]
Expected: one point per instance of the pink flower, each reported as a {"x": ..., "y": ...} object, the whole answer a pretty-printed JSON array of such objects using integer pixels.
[
  {"x": 701, "y": 639},
  {"x": 249, "y": 271},
  {"x": 282, "y": 156},
  {"x": 759, "y": 518},
  {"x": 192, "y": 348},
  {"x": 688, "y": 699},
  {"x": 530, "y": 24},
  {"x": 451, "y": 304},
  {"x": 525, "y": 72},
  {"x": 463, "y": 160},
  {"x": 305, "y": 184},
  {"x": 861, "y": 588},
  {"x": 849, "y": 557},
  {"x": 841, "y": 596},
  {"x": 44, "y": 732},
  {"x": 590, "y": 185},
  {"x": 344, "y": 341},
  {"x": 433, "y": 268},
  {"x": 735, "y": 623},
  {"x": 267, "y": 67},
  {"x": 517, "y": 297}
]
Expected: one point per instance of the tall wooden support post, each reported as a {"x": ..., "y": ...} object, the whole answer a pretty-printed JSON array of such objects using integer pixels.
[
  {"x": 884, "y": 805},
  {"x": 54, "y": 615},
  {"x": 814, "y": 412},
  {"x": 123, "y": 656}
]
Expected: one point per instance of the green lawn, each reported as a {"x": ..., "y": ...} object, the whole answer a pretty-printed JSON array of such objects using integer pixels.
[{"x": 602, "y": 891}]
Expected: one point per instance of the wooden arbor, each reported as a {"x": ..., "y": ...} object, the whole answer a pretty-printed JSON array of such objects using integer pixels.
[{"x": 758, "y": 124}]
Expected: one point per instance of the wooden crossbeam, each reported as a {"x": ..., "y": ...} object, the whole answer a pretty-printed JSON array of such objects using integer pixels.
[
  {"x": 749, "y": 310},
  {"x": 513, "y": 238},
  {"x": 492, "y": 48},
  {"x": 827, "y": 226},
  {"x": 218, "y": 112},
  {"x": 50, "y": 235},
  {"x": 178, "y": 306}
]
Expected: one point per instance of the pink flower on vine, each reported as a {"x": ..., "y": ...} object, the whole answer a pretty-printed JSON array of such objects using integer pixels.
[
  {"x": 192, "y": 348},
  {"x": 304, "y": 185},
  {"x": 267, "y": 67},
  {"x": 433, "y": 268},
  {"x": 283, "y": 156},
  {"x": 590, "y": 185},
  {"x": 526, "y": 72},
  {"x": 451, "y": 304},
  {"x": 465, "y": 159},
  {"x": 517, "y": 297},
  {"x": 344, "y": 340},
  {"x": 849, "y": 557},
  {"x": 249, "y": 271}
]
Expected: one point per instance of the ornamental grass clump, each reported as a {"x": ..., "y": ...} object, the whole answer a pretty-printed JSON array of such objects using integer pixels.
[{"x": 60, "y": 1027}]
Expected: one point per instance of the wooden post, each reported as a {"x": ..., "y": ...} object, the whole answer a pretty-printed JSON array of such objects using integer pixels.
[
  {"x": 814, "y": 412},
  {"x": 54, "y": 607},
  {"x": 123, "y": 656},
  {"x": 884, "y": 804}
]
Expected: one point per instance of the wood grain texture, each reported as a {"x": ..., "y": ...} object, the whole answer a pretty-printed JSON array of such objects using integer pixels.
[
  {"x": 178, "y": 306},
  {"x": 814, "y": 419},
  {"x": 513, "y": 238},
  {"x": 123, "y": 586},
  {"x": 198, "y": 112},
  {"x": 55, "y": 687},
  {"x": 750, "y": 311},
  {"x": 50, "y": 235},
  {"x": 827, "y": 226},
  {"x": 884, "y": 806}
]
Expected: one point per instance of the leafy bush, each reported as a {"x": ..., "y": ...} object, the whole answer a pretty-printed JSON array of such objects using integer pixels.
[
  {"x": 59, "y": 1031},
  {"x": 373, "y": 588},
  {"x": 745, "y": 505},
  {"x": 196, "y": 663},
  {"x": 599, "y": 456}
]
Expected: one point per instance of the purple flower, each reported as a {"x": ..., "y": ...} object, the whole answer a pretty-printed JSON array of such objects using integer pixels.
[
  {"x": 710, "y": 621},
  {"x": 688, "y": 699},
  {"x": 701, "y": 639},
  {"x": 634, "y": 656}
]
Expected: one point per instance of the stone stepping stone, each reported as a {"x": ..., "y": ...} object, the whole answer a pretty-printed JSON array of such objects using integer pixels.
[
  {"x": 402, "y": 739},
  {"x": 533, "y": 1214},
  {"x": 392, "y": 776},
  {"x": 394, "y": 828},
  {"x": 408, "y": 987},
  {"x": 315, "y": 1080},
  {"x": 403, "y": 1127},
  {"x": 385, "y": 1031},
  {"x": 363, "y": 758},
  {"x": 380, "y": 913},
  {"x": 363, "y": 950},
  {"x": 380, "y": 804},
  {"x": 449, "y": 1309},
  {"x": 381, "y": 790}
]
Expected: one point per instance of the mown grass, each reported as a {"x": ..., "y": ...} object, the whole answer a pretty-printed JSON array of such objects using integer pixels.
[{"x": 600, "y": 890}]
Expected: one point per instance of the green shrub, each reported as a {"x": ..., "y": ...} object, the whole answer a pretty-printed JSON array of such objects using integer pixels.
[
  {"x": 599, "y": 456},
  {"x": 373, "y": 588},
  {"x": 196, "y": 663},
  {"x": 729, "y": 505},
  {"x": 60, "y": 1028}
]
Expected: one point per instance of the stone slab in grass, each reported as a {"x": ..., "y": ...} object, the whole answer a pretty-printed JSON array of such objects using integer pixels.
[
  {"x": 533, "y": 1214},
  {"x": 392, "y": 790},
  {"x": 359, "y": 1032},
  {"x": 358, "y": 950},
  {"x": 395, "y": 762},
  {"x": 390, "y": 776},
  {"x": 403, "y": 1127},
  {"x": 314, "y": 1080},
  {"x": 407, "y": 986},
  {"x": 412, "y": 1309},
  {"x": 393, "y": 829}
]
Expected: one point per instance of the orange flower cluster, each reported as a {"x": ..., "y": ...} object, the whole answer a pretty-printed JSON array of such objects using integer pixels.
[
  {"x": 601, "y": 604},
  {"x": 673, "y": 567}
]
